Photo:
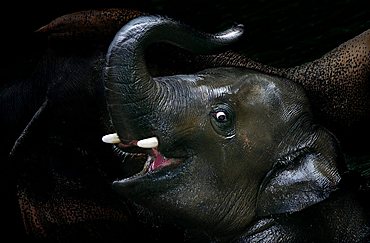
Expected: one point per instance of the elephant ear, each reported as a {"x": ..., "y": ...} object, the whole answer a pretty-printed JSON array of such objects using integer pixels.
[
  {"x": 301, "y": 178},
  {"x": 89, "y": 24}
]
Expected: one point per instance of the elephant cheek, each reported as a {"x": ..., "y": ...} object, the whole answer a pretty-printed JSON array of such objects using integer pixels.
[{"x": 246, "y": 142}]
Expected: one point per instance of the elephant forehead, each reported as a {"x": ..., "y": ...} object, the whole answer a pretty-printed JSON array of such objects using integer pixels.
[
  {"x": 252, "y": 90},
  {"x": 246, "y": 84},
  {"x": 266, "y": 93}
]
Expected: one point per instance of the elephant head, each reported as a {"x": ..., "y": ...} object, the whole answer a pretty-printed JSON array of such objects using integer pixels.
[{"x": 223, "y": 146}]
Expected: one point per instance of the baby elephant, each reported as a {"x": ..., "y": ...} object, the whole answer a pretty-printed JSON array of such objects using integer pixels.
[{"x": 230, "y": 152}]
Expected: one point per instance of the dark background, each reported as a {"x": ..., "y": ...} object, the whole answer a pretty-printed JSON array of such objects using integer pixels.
[{"x": 279, "y": 32}]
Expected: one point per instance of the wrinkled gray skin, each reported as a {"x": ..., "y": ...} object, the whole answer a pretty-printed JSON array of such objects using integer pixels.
[{"x": 246, "y": 141}]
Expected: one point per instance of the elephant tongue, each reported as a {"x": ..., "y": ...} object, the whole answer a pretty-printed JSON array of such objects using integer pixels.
[{"x": 159, "y": 161}]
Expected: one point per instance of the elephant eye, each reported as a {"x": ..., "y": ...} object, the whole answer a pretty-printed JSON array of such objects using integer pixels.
[
  {"x": 221, "y": 116},
  {"x": 223, "y": 120}
]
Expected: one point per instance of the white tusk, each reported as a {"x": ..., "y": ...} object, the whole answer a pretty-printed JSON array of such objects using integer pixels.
[
  {"x": 148, "y": 143},
  {"x": 111, "y": 138}
]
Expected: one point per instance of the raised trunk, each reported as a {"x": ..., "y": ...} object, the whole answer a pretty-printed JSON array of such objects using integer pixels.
[{"x": 132, "y": 94}]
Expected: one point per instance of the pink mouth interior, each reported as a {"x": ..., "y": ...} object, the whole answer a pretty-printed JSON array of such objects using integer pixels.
[{"x": 159, "y": 161}]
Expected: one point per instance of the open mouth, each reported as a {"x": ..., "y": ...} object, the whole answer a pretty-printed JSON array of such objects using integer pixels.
[{"x": 146, "y": 149}]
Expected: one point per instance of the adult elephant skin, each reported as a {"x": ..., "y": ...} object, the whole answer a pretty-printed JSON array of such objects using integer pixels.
[{"x": 229, "y": 152}]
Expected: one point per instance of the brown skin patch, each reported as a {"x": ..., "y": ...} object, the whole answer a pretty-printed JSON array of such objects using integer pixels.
[
  {"x": 89, "y": 24},
  {"x": 339, "y": 81}
]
